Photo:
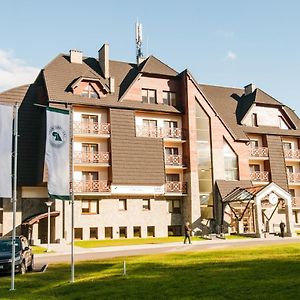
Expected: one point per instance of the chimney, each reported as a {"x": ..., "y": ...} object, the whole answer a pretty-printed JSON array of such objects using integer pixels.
[
  {"x": 112, "y": 84},
  {"x": 249, "y": 89},
  {"x": 75, "y": 57},
  {"x": 103, "y": 56}
]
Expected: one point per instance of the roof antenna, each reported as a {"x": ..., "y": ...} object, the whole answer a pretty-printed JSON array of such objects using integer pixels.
[{"x": 138, "y": 40}]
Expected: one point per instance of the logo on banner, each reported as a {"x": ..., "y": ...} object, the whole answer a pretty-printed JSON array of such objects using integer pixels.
[{"x": 57, "y": 136}]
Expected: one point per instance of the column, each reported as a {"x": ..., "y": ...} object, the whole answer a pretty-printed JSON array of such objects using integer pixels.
[
  {"x": 258, "y": 214},
  {"x": 35, "y": 235},
  {"x": 290, "y": 230}
]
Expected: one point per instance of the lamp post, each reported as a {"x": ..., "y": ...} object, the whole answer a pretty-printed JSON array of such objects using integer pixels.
[{"x": 48, "y": 203}]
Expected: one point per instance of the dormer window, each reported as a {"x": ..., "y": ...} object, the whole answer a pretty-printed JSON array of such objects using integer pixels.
[
  {"x": 89, "y": 92},
  {"x": 149, "y": 96},
  {"x": 169, "y": 98}
]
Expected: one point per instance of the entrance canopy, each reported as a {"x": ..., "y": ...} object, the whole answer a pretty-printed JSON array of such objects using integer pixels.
[{"x": 35, "y": 219}]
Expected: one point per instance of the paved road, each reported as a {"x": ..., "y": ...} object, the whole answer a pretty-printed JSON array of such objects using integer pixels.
[{"x": 123, "y": 251}]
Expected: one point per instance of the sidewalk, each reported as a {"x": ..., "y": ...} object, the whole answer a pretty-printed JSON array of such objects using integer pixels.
[{"x": 63, "y": 249}]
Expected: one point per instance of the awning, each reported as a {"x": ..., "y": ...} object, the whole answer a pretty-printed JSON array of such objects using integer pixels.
[
  {"x": 242, "y": 194},
  {"x": 35, "y": 219}
]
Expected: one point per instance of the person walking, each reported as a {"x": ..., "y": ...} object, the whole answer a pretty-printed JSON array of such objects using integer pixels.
[
  {"x": 187, "y": 232},
  {"x": 282, "y": 226}
]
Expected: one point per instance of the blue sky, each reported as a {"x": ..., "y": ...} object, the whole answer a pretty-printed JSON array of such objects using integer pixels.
[{"x": 230, "y": 43}]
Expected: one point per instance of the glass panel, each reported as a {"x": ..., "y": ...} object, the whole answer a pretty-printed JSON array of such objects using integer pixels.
[
  {"x": 230, "y": 163},
  {"x": 172, "y": 177},
  {"x": 94, "y": 205},
  {"x": 122, "y": 204},
  {"x": 150, "y": 231}
]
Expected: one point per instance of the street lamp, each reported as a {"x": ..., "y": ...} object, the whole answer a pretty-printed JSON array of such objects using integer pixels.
[{"x": 48, "y": 203}]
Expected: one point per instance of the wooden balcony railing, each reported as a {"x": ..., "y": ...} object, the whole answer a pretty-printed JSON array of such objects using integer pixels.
[
  {"x": 259, "y": 176},
  {"x": 259, "y": 152},
  {"x": 91, "y": 128},
  {"x": 91, "y": 157},
  {"x": 293, "y": 177},
  {"x": 176, "y": 187},
  {"x": 158, "y": 132},
  {"x": 292, "y": 153},
  {"x": 173, "y": 160},
  {"x": 91, "y": 186}
]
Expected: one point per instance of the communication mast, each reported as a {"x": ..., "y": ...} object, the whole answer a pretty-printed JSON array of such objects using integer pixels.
[{"x": 138, "y": 41}]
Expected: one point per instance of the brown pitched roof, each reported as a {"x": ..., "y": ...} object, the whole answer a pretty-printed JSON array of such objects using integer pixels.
[
  {"x": 15, "y": 94},
  {"x": 60, "y": 74},
  {"x": 225, "y": 187},
  {"x": 152, "y": 65},
  {"x": 225, "y": 101}
]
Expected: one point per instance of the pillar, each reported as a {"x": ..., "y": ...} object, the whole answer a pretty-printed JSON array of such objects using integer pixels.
[
  {"x": 290, "y": 230},
  {"x": 258, "y": 215}
]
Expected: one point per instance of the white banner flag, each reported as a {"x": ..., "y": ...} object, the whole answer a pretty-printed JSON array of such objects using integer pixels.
[
  {"x": 6, "y": 132},
  {"x": 58, "y": 153}
]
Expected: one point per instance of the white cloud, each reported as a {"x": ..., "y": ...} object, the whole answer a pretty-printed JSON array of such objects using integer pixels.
[
  {"x": 14, "y": 71},
  {"x": 231, "y": 55}
]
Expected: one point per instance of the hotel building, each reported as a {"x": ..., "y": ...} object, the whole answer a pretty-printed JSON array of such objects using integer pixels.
[{"x": 152, "y": 149}]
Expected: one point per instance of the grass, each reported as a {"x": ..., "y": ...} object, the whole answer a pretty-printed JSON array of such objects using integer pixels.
[
  {"x": 135, "y": 241},
  {"x": 243, "y": 273},
  {"x": 236, "y": 237},
  {"x": 38, "y": 249}
]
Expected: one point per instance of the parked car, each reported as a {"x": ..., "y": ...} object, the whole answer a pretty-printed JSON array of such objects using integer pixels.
[{"x": 23, "y": 257}]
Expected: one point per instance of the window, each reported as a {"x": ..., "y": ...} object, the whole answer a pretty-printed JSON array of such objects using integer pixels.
[
  {"x": 108, "y": 232},
  {"x": 89, "y": 124},
  {"x": 174, "y": 230},
  {"x": 230, "y": 163},
  {"x": 172, "y": 177},
  {"x": 287, "y": 145},
  {"x": 254, "y": 168},
  {"x": 254, "y": 120},
  {"x": 1, "y": 216},
  {"x": 89, "y": 206},
  {"x": 254, "y": 143},
  {"x": 174, "y": 206},
  {"x": 146, "y": 204},
  {"x": 295, "y": 212},
  {"x": 93, "y": 233},
  {"x": 123, "y": 232},
  {"x": 90, "y": 181},
  {"x": 170, "y": 124},
  {"x": 149, "y": 128},
  {"x": 289, "y": 169},
  {"x": 89, "y": 92},
  {"x": 148, "y": 96},
  {"x": 171, "y": 151},
  {"x": 122, "y": 204},
  {"x": 150, "y": 231},
  {"x": 169, "y": 98},
  {"x": 1, "y": 203},
  {"x": 78, "y": 233},
  {"x": 137, "y": 231}
]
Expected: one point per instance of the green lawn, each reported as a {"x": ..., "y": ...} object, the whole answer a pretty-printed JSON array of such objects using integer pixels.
[
  {"x": 244, "y": 273},
  {"x": 236, "y": 237},
  {"x": 136, "y": 241},
  {"x": 38, "y": 249}
]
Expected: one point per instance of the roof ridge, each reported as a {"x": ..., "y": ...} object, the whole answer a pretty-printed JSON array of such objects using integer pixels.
[
  {"x": 146, "y": 61},
  {"x": 220, "y": 86}
]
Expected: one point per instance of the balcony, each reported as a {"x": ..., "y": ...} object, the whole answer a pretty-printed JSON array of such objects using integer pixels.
[
  {"x": 259, "y": 152},
  {"x": 94, "y": 128},
  {"x": 176, "y": 187},
  {"x": 173, "y": 160},
  {"x": 261, "y": 176},
  {"x": 91, "y": 157},
  {"x": 293, "y": 177},
  {"x": 158, "y": 132},
  {"x": 91, "y": 186},
  {"x": 292, "y": 153}
]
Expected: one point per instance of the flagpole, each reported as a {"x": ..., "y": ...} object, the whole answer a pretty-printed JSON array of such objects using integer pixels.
[
  {"x": 14, "y": 200},
  {"x": 72, "y": 197}
]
